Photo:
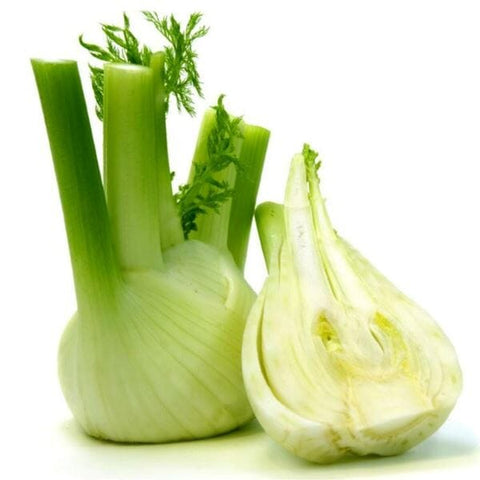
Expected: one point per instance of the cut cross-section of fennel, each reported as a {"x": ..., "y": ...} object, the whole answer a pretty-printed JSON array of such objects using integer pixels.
[{"x": 336, "y": 360}]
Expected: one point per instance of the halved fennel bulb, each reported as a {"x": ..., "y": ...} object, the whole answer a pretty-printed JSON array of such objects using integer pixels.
[{"x": 336, "y": 360}]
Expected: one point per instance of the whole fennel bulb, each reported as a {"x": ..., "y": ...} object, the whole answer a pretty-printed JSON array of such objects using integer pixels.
[
  {"x": 153, "y": 353},
  {"x": 336, "y": 360}
]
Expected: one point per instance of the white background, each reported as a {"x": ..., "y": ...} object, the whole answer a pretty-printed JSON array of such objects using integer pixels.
[{"x": 387, "y": 91}]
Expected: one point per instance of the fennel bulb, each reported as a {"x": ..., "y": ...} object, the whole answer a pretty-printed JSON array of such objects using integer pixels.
[
  {"x": 161, "y": 361},
  {"x": 153, "y": 353},
  {"x": 336, "y": 360}
]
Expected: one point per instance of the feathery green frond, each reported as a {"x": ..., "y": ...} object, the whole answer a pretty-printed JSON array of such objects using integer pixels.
[
  {"x": 181, "y": 76},
  {"x": 205, "y": 192}
]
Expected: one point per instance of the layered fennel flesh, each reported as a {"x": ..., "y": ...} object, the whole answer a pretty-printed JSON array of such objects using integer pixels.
[{"x": 336, "y": 360}]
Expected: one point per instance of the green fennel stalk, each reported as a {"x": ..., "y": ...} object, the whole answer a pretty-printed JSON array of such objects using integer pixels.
[{"x": 95, "y": 268}]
